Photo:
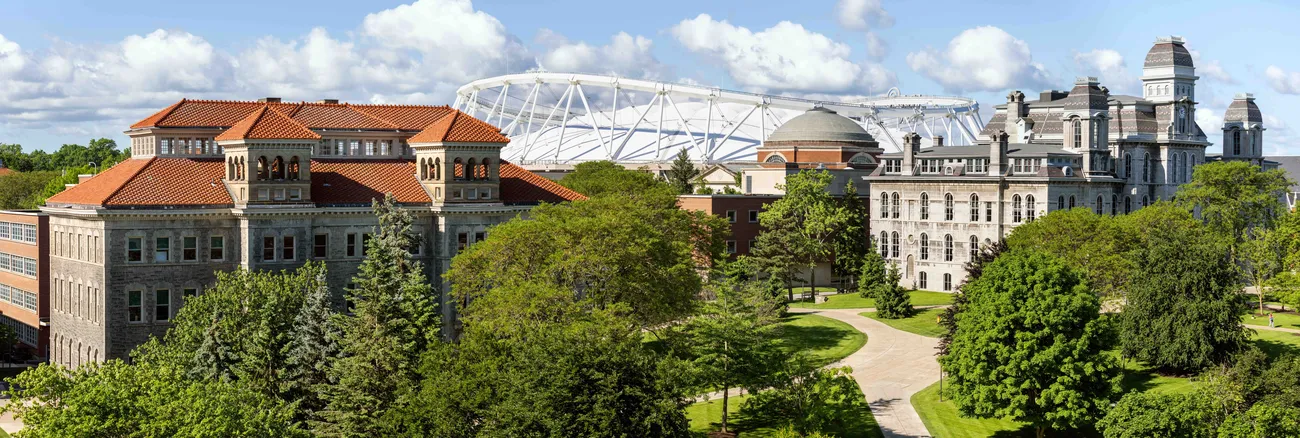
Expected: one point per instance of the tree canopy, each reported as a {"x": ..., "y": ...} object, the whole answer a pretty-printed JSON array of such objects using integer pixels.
[
  {"x": 601, "y": 178},
  {"x": 1098, "y": 245},
  {"x": 805, "y": 226},
  {"x": 1233, "y": 196}
]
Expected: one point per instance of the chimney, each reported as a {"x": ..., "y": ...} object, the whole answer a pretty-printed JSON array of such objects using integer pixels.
[
  {"x": 269, "y": 100},
  {"x": 911, "y": 145},
  {"x": 1016, "y": 109},
  {"x": 998, "y": 154},
  {"x": 81, "y": 178},
  {"x": 937, "y": 141},
  {"x": 329, "y": 101}
]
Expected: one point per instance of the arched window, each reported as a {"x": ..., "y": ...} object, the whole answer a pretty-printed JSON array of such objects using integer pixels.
[
  {"x": 1128, "y": 165},
  {"x": 974, "y": 247},
  {"x": 1060, "y": 202},
  {"x": 1029, "y": 208},
  {"x": 1236, "y": 141},
  {"x": 947, "y": 282},
  {"x": 487, "y": 169},
  {"x": 925, "y": 246},
  {"x": 293, "y": 168},
  {"x": 1145, "y": 201},
  {"x": 921, "y": 280},
  {"x": 458, "y": 170},
  {"x": 974, "y": 207},
  {"x": 1114, "y": 203},
  {"x": 1173, "y": 168},
  {"x": 470, "y": 170},
  {"x": 1071, "y": 202},
  {"x": 947, "y": 206},
  {"x": 437, "y": 169},
  {"x": 947, "y": 247},
  {"x": 775, "y": 158},
  {"x": 1187, "y": 163},
  {"x": 1128, "y": 204},
  {"x": 1077, "y": 128},
  {"x": 1015, "y": 209},
  {"x": 925, "y": 206},
  {"x": 1146, "y": 167},
  {"x": 893, "y": 244},
  {"x": 277, "y": 168},
  {"x": 1100, "y": 207},
  {"x": 424, "y": 169},
  {"x": 263, "y": 171},
  {"x": 884, "y": 244},
  {"x": 884, "y": 205},
  {"x": 893, "y": 198},
  {"x": 230, "y": 169}
]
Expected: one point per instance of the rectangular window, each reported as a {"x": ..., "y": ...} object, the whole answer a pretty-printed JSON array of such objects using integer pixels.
[
  {"x": 479, "y": 237},
  {"x": 134, "y": 307},
  {"x": 731, "y": 247},
  {"x": 462, "y": 241},
  {"x": 217, "y": 248},
  {"x": 352, "y": 245},
  {"x": 162, "y": 249},
  {"x": 189, "y": 248},
  {"x": 162, "y": 305},
  {"x": 753, "y": 216},
  {"x": 295, "y": 194},
  {"x": 354, "y": 147},
  {"x": 416, "y": 242},
  {"x": 455, "y": 194},
  {"x": 134, "y": 252},
  {"x": 279, "y": 194},
  {"x": 473, "y": 193},
  {"x": 288, "y": 248},
  {"x": 370, "y": 147},
  {"x": 486, "y": 194},
  {"x": 385, "y": 147},
  {"x": 263, "y": 194},
  {"x": 365, "y": 243},
  {"x": 988, "y": 212},
  {"x": 268, "y": 248},
  {"x": 731, "y": 216},
  {"x": 189, "y": 292},
  {"x": 320, "y": 246}
]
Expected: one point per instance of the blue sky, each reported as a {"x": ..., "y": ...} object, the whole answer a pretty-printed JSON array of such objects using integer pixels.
[{"x": 70, "y": 70}]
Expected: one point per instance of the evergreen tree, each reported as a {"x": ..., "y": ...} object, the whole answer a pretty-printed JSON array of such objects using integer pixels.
[
  {"x": 395, "y": 319},
  {"x": 873, "y": 274},
  {"x": 682, "y": 173},
  {"x": 312, "y": 349},
  {"x": 892, "y": 300},
  {"x": 213, "y": 359}
]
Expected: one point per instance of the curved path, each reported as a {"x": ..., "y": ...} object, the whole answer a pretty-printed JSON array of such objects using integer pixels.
[{"x": 892, "y": 367}]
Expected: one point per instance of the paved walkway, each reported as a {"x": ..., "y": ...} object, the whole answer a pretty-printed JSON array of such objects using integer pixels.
[{"x": 892, "y": 367}]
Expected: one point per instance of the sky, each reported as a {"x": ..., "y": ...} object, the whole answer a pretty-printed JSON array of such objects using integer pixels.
[{"x": 75, "y": 70}]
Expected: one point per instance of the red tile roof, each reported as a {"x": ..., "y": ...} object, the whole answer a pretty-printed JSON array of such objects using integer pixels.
[
  {"x": 406, "y": 117},
  {"x": 339, "y": 116},
  {"x": 225, "y": 113},
  {"x": 196, "y": 182},
  {"x": 459, "y": 127},
  {"x": 268, "y": 123},
  {"x": 5, "y": 171}
]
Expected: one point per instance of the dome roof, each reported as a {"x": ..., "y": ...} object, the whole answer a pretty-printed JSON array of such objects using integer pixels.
[
  {"x": 1243, "y": 109},
  {"x": 820, "y": 124},
  {"x": 1168, "y": 52}
]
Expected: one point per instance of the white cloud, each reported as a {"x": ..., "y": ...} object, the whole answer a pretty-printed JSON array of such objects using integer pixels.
[
  {"x": 1285, "y": 82},
  {"x": 1109, "y": 66},
  {"x": 453, "y": 40},
  {"x": 876, "y": 47},
  {"x": 625, "y": 55},
  {"x": 862, "y": 14},
  {"x": 783, "y": 58},
  {"x": 984, "y": 58},
  {"x": 1212, "y": 70},
  {"x": 12, "y": 59}
]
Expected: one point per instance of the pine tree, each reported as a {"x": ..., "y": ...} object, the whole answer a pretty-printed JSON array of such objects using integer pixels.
[
  {"x": 892, "y": 300},
  {"x": 873, "y": 274},
  {"x": 314, "y": 345},
  {"x": 395, "y": 319},
  {"x": 213, "y": 359},
  {"x": 682, "y": 173}
]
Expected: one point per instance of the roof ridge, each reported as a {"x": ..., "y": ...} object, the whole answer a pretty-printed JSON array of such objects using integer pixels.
[
  {"x": 128, "y": 179},
  {"x": 371, "y": 116},
  {"x": 291, "y": 119}
]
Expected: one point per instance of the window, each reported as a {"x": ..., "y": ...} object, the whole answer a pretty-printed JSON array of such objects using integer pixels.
[
  {"x": 263, "y": 194},
  {"x": 1144, "y": 201},
  {"x": 162, "y": 249},
  {"x": 925, "y": 246},
  {"x": 1071, "y": 202},
  {"x": 287, "y": 250},
  {"x": 753, "y": 216},
  {"x": 462, "y": 241},
  {"x": 731, "y": 216},
  {"x": 921, "y": 280},
  {"x": 189, "y": 292},
  {"x": 1128, "y": 165},
  {"x": 1128, "y": 205},
  {"x": 884, "y": 244},
  {"x": 947, "y": 247},
  {"x": 365, "y": 243},
  {"x": 947, "y": 206},
  {"x": 268, "y": 248},
  {"x": 320, "y": 246},
  {"x": 752, "y": 244},
  {"x": 471, "y": 193},
  {"x": 988, "y": 212},
  {"x": 479, "y": 237},
  {"x": 279, "y": 194},
  {"x": 1078, "y": 132},
  {"x": 162, "y": 305},
  {"x": 189, "y": 248},
  {"x": 974, "y": 207},
  {"x": 893, "y": 198},
  {"x": 134, "y": 252},
  {"x": 925, "y": 206},
  {"x": 974, "y": 247},
  {"x": 1029, "y": 208},
  {"x": 884, "y": 205},
  {"x": 354, "y": 147},
  {"x": 731, "y": 247},
  {"x": 1236, "y": 142},
  {"x": 217, "y": 248},
  {"x": 1015, "y": 209},
  {"x": 1173, "y": 168},
  {"x": 1114, "y": 204},
  {"x": 295, "y": 194},
  {"x": 893, "y": 247},
  {"x": 1146, "y": 167},
  {"x": 134, "y": 307},
  {"x": 947, "y": 282},
  {"x": 1060, "y": 202}
]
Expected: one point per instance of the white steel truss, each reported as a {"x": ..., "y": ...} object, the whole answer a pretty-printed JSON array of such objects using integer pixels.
[{"x": 575, "y": 117}]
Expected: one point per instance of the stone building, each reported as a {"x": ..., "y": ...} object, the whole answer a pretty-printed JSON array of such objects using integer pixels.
[
  {"x": 214, "y": 186},
  {"x": 933, "y": 208}
]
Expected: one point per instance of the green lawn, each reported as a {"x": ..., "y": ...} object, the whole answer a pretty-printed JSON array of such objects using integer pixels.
[
  {"x": 925, "y": 322},
  {"x": 826, "y": 340},
  {"x": 1275, "y": 343},
  {"x": 855, "y": 301},
  {"x": 706, "y": 417},
  {"x": 1280, "y": 319}
]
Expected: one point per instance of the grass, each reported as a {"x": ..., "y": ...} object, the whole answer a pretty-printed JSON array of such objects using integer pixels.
[
  {"x": 855, "y": 301},
  {"x": 706, "y": 417},
  {"x": 924, "y": 322},
  {"x": 1275, "y": 343},
  {"x": 1280, "y": 319},
  {"x": 825, "y": 340}
]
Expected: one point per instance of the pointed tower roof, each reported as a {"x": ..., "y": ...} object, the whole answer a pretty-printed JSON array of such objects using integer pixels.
[
  {"x": 267, "y": 123},
  {"x": 459, "y": 127}
]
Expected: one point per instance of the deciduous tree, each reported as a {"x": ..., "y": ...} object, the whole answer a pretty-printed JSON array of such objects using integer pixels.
[
  {"x": 1096, "y": 244},
  {"x": 804, "y": 225},
  {"x": 733, "y": 341},
  {"x": 1234, "y": 196}
]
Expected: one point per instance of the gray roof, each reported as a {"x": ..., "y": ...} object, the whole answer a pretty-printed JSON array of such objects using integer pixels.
[
  {"x": 1243, "y": 109},
  {"x": 820, "y": 124},
  {"x": 1168, "y": 52},
  {"x": 982, "y": 151},
  {"x": 1291, "y": 165}
]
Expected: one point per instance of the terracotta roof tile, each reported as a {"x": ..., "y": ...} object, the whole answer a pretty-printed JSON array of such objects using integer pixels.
[
  {"x": 5, "y": 171},
  {"x": 459, "y": 127},
  {"x": 225, "y": 113},
  {"x": 157, "y": 117},
  {"x": 182, "y": 182},
  {"x": 268, "y": 123},
  {"x": 98, "y": 189},
  {"x": 406, "y": 117},
  {"x": 358, "y": 181},
  {"x": 519, "y": 186},
  {"x": 339, "y": 116}
]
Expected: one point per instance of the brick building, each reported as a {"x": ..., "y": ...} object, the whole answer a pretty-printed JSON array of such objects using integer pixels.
[{"x": 24, "y": 270}]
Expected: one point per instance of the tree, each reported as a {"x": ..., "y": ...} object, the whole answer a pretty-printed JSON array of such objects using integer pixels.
[
  {"x": 1261, "y": 258},
  {"x": 682, "y": 173},
  {"x": 394, "y": 321},
  {"x": 1030, "y": 345},
  {"x": 852, "y": 243},
  {"x": 1146, "y": 414},
  {"x": 874, "y": 274},
  {"x": 1235, "y": 196},
  {"x": 974, "y": 270},
  {"x": 804, "y": 225},
  {"x": 1183, "y": 310},
  {"x": 733, "y": 341},
  {"x": 22, "y": 190},
  {"x": 601, "y": 178},
  {"x": 312, "y": 349},
  {"x": 1097, "y": 244},
  {"x": 892, "y": 300},
  {"x": 811, "y": 400}
]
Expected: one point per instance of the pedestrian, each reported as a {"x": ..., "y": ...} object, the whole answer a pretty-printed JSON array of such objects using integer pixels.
[{"x": 1270, "y": 319}]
